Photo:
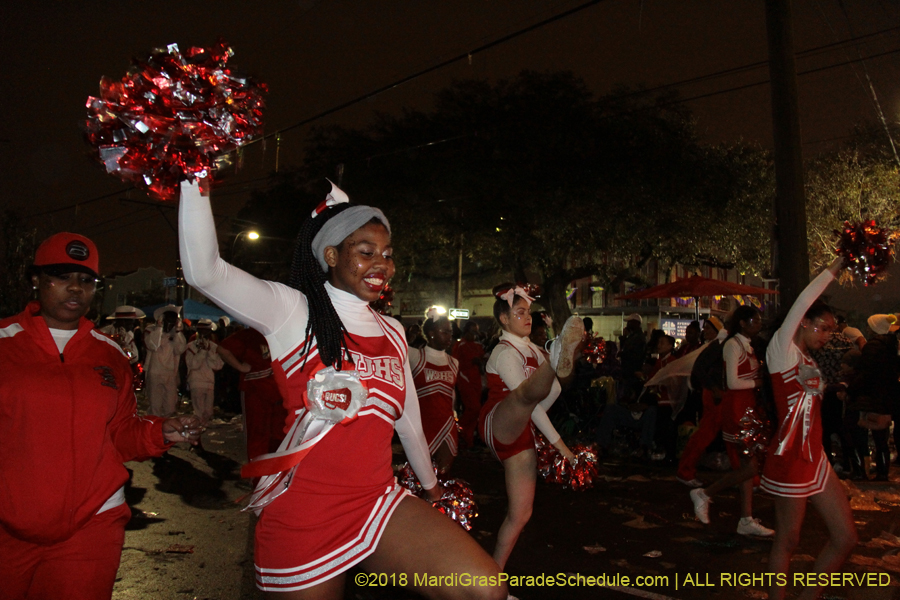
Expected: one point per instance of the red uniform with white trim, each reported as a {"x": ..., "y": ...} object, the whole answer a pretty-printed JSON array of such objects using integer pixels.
[
  {"x": 434, "y": 373},
  {"x": 796, "y": 465},
  {"x": 343, "y": 493},
  {"x": 512, "y": 361},
  {"x": 339, "y": 501},
  {"x": 741, "y": 369},
  {"x": 68, "y": 420}
]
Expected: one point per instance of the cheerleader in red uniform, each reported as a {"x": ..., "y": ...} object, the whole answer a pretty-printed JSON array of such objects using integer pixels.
[
  {"x": 742, "y": 381},
  {"x": 337, "y": 503},
  {"x": 796, "y": 469},
  {"x": 434, "y": 373},
  {"x": 522, "y": 386}
]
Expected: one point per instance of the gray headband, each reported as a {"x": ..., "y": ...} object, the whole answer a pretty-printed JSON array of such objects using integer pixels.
[{"x": 339, "y": 227}]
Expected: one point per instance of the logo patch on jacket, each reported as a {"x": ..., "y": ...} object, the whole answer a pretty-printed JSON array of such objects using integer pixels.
[{"x": 107, "y": 377}]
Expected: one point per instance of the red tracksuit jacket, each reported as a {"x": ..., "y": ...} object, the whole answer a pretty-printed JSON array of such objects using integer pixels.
[{"x": 67, "y": 423}]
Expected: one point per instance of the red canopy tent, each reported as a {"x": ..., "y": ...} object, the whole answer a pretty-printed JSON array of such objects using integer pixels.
[{"x": 695, "y": 287}]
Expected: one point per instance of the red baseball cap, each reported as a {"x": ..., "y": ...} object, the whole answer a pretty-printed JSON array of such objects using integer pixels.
[{"x": 70, "y": 252}]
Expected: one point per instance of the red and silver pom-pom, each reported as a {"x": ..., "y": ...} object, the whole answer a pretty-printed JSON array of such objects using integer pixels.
[
  {"x": 866, "y": 249},
  {"x": 457, "y": 501},
  {"x": 594, "y": 350},
  {"x": 406, "y": 478},
  {"x": 545, "y": 453},
  {"x": 754, "y": 435},
  {"x": 385, "y": 302},
  {"x": 554, "y": 468},
  {"x": 173, "y": 117}
]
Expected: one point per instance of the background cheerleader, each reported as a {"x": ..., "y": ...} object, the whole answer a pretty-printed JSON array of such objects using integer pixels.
[
  {"x": 796, "y": 468},
  {"x": 522, "y": 386},
  {"x": 434, "y": 373},
  {"x": 742, "y": 383}
]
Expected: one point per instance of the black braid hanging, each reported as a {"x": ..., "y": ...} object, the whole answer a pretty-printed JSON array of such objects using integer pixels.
[{"x": 306, "y": 275}]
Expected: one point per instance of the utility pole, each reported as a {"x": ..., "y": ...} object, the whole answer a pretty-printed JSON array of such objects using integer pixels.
[
  {"x": 459, "y": 267},
  {"x": 791, "y": 260}
]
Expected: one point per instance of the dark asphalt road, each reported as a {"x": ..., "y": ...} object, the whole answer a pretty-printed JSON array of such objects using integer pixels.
[{"x": 188, "y": 539}]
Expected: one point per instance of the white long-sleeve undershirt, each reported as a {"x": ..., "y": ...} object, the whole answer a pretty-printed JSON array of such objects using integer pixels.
[{"x": 734, "y": 348}]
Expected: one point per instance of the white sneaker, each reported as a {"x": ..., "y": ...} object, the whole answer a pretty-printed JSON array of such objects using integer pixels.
[
  {"x": 562, "y": 352},
  {"x": 701, "y": 505},
  {"x": 691, "y": 483},
  {"x": 751, "y": 526}
]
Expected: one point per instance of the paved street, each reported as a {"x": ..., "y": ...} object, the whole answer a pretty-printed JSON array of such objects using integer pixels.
[{"x": 188, "y": 539}]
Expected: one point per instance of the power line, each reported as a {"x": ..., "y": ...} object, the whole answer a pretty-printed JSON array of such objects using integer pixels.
[
  {"x": 380, "y": 90},
  {"x": 427, "y": 70},
  {"x": 507, "y": 38},
  {"x": 80, "y": 203},
  {"x": 765, "y": 81},
  {"x": 755, "y": 65}
]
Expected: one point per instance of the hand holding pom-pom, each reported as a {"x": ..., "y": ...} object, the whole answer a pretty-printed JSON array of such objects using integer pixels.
[
  {"x": 173, "y": 117},
  {"x": 457, "y": 500},
  {"x": 866, "y": 249},
  {"x": 554, "y": 468}
]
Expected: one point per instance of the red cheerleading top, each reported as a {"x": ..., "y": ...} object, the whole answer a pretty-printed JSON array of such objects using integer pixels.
[
  {"x": 434, "y": 374},
  {"x": 512, "y": 361}
]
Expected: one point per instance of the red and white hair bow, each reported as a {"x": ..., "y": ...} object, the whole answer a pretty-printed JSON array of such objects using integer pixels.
[
  {"x": 335, "y": 196},
  {"x": 510, "y": 295}
]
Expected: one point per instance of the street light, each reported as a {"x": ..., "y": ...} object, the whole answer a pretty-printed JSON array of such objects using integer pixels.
[{"x": 250, "y": 234}]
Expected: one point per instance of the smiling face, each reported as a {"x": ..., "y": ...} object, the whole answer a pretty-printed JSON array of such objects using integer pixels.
[
  {"x": 362, "y": 264},
  {"x": 64, "y": 298}
]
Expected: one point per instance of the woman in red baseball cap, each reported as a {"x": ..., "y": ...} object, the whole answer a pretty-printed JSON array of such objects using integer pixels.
[{"x": 68, "y": 422}]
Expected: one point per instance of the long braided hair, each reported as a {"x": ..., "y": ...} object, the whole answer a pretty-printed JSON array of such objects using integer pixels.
[{"x": 306, "y": 275}]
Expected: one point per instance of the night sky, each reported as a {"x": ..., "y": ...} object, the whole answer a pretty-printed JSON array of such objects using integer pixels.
[{"x": 315, "y": 55}]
